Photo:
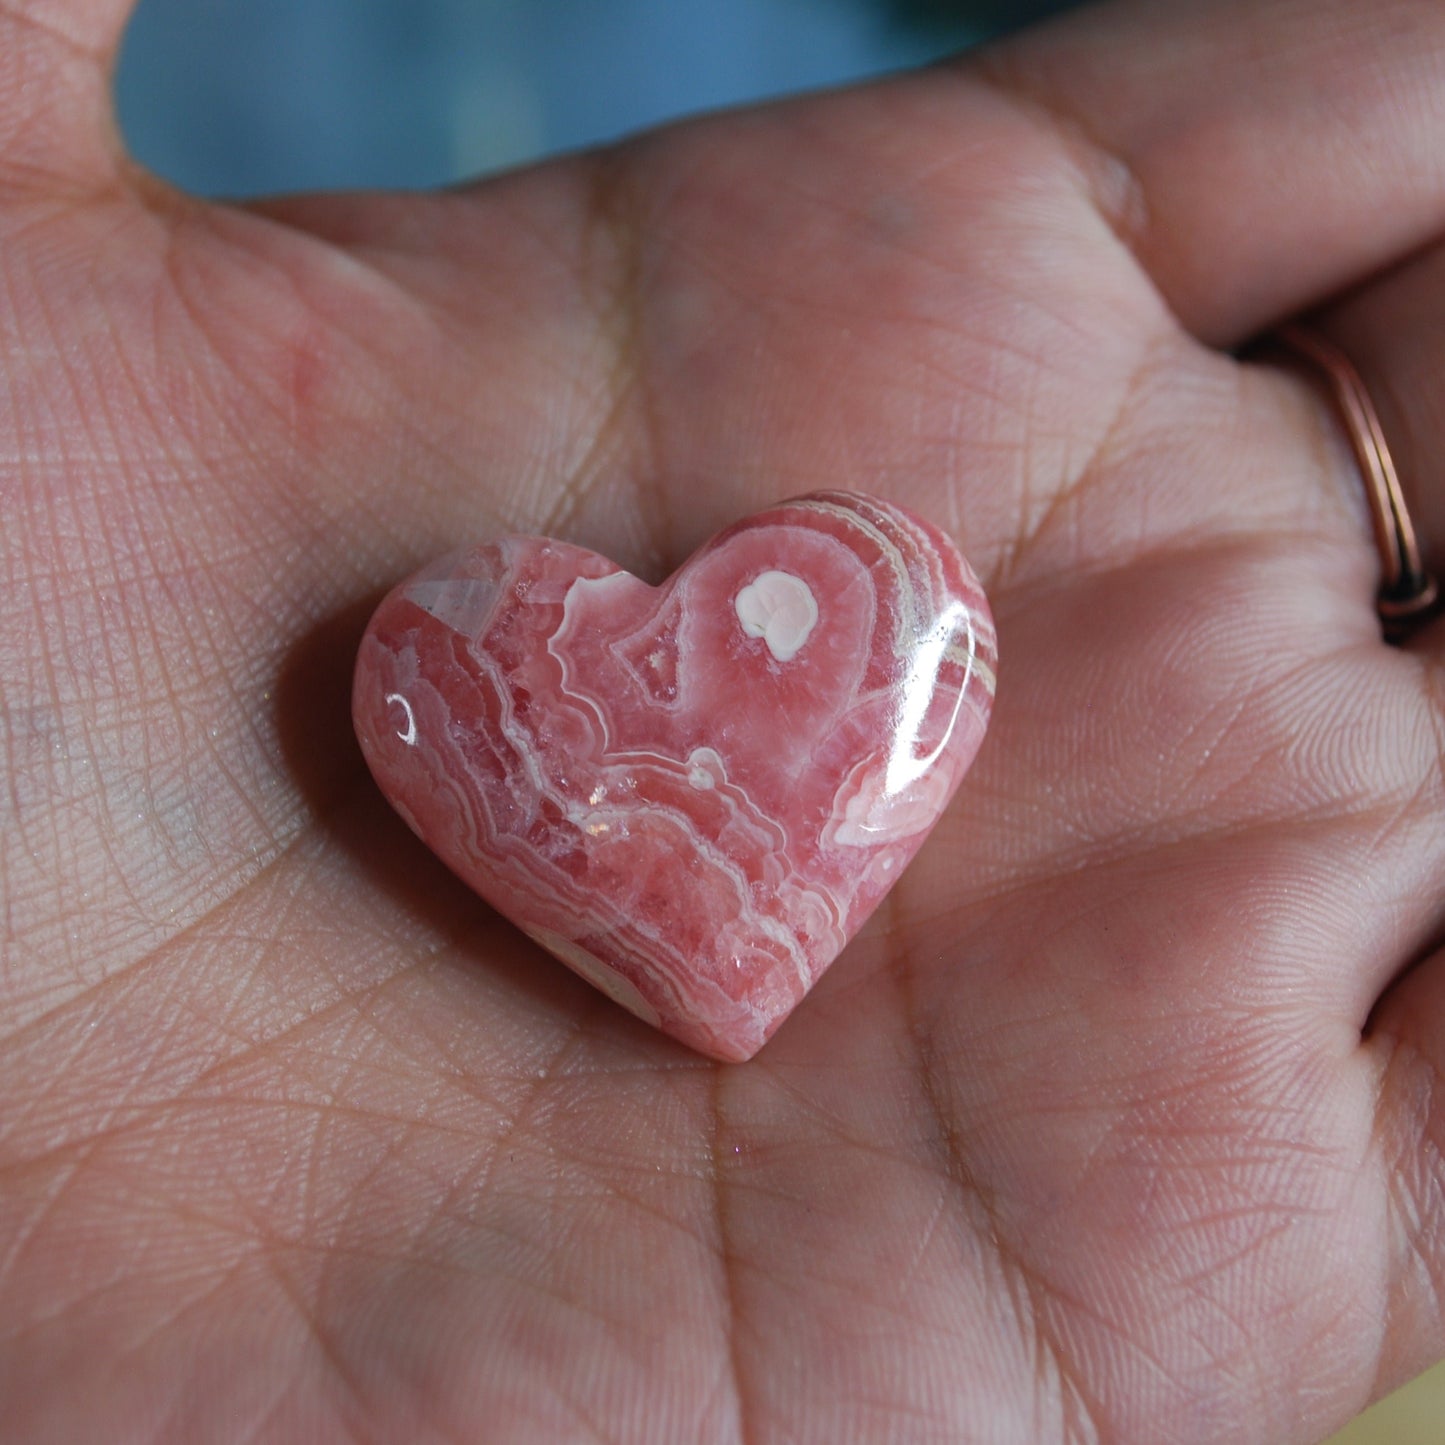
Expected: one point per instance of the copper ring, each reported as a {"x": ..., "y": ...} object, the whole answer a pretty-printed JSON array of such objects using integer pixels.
[{"x": 1408, "y": 593}]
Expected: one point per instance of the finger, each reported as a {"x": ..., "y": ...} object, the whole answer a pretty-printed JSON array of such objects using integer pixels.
[
  {"x": 1391, "y": 330},
  {"x": 1278, "y": 151},
  {"x": 57, "y": 127},
  {"x": 1394, "y": 331}
]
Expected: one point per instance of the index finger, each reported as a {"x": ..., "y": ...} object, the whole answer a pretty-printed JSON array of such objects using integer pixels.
[{"x": 1276, "y": 153}]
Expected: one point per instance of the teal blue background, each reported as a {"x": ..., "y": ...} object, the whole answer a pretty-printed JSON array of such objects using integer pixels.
[{"x": 241, "y": 97}]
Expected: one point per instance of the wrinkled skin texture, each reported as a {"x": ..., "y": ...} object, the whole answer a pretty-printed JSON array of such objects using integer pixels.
[{"x": 1123, "y": 1120}]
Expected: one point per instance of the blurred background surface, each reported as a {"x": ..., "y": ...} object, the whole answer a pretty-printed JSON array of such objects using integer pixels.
[
  {"x": 238, "y": 97},
  {"x": 243, "y": 97}
]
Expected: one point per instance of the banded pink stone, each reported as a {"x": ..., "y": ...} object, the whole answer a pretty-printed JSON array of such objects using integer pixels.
[{"x": 692, "y": 794}]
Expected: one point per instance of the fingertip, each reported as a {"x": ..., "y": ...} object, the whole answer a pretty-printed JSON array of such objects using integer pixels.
[{"x": 1283, "y": 151}]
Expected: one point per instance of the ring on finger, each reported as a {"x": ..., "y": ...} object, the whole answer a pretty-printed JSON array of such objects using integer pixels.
[{"x": 1408, "y": 594}]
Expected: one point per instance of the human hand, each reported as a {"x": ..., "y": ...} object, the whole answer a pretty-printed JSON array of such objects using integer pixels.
[{"x": 1124, "y": 1118}]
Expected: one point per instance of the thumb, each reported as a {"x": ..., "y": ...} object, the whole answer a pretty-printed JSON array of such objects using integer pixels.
[{"x": 57, "y": 122}]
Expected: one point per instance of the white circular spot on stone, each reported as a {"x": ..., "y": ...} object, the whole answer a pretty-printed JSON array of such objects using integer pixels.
[
  {"x": 704, "y": 769},
  {"x": 779, "y": 608}
]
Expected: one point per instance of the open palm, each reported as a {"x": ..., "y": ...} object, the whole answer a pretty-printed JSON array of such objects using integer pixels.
[{"x": 1123, "y": 1120}]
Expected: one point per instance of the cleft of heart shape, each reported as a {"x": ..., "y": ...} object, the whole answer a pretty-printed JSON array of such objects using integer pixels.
[{"x": 693, "y": 794}]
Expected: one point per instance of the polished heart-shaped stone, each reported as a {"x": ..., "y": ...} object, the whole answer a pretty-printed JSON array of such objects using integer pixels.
[{"x": 692, "y": 794}]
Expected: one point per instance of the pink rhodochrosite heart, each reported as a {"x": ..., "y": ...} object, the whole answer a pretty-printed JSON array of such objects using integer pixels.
[{"x": 692, "y": 794}]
